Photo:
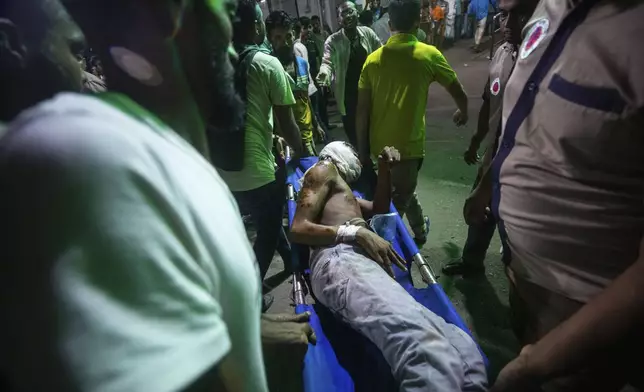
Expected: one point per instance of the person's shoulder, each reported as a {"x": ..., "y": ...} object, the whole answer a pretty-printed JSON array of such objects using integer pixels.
[
  {"x": 266, "y": 63},
  {"x": 73, "y": 131},
  {"x": 322, "y": 172},
  {"x": 430, "y": 52},
  {"x": 367, "y": 31}
]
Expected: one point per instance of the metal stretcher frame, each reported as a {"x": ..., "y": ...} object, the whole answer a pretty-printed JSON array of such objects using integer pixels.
[{"x": 323, "y": 369}]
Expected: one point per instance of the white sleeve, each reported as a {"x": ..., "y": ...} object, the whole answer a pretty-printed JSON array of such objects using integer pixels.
[
  {"x": 300, "y": 50},
  {"x": 104, "y": 285}
]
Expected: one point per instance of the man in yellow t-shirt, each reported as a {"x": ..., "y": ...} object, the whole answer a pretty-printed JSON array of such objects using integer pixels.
[{"x": 392, "y": 99}]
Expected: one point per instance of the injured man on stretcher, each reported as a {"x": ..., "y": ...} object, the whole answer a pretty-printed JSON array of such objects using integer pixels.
[{"x": 351, "y": 274}]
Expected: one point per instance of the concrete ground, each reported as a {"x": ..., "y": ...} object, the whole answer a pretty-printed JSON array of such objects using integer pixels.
[{"x": 444, "y": 183}]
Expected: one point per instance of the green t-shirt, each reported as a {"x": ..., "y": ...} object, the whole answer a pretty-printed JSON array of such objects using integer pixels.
[
  {"x": 398, "y": 76},
  {"x": 267, "y": 86}
]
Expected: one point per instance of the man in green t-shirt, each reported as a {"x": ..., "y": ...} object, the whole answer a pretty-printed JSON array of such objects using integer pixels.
[
  {"x": 256, "y": 187},
  {"x": 392, "y": 99},
  {"x": 280, "y": 33}
]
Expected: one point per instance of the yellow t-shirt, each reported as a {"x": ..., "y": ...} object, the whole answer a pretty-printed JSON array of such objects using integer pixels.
[{"x": 398, "y": 76}]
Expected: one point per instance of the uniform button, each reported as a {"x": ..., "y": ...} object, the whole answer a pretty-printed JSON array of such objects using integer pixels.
[
  {"x": 532, "y": 87},
  {"x": 505, "y": 144}
]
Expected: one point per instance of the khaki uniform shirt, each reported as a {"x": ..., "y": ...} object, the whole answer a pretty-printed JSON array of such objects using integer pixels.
[{"x": 569, "y": 170}]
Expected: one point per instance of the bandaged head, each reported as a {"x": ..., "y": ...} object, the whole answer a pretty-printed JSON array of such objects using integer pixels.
[{"x": 345, "y": 159}]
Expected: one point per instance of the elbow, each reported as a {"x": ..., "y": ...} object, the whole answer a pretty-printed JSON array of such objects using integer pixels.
[{"x": 295, "y": 234}]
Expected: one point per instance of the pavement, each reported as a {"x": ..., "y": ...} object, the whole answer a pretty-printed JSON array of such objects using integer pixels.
[{"x": 444, "y": 183}]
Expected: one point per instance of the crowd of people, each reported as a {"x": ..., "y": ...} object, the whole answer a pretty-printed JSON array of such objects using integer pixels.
[{"x": 123, "y": 169}]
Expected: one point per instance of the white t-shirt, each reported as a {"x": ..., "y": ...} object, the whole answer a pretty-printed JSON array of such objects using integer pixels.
[{"x": 125, "y": 264}]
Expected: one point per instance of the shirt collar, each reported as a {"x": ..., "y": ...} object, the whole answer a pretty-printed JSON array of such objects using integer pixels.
[{"x": 402, "y": 38}]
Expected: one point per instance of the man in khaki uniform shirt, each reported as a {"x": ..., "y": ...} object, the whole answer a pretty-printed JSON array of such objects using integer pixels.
[
  {"x": 569, "y": 189},
  {"x": 515, "y": 14}
]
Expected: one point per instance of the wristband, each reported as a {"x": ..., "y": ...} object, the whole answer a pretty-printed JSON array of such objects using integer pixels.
[{"x": 346, "y": 233}]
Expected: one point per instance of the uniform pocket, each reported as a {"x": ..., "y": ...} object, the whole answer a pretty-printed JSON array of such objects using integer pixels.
[{"x": 601, "y": 98}]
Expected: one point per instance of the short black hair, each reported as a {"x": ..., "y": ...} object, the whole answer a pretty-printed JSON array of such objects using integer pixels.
[
  {"x": 305, "y": 21},
  {"x": 244, "y": 22},
  {"x": 403, "y": 14},
  {"x": 297, "y": 27},
  {"x": 278, "y": 19},
  {"x": 314, "y": 17},
  {"x": 366, "y": 18}
]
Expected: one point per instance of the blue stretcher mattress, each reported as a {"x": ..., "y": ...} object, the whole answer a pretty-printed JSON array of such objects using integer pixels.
[{"x": 343, "y": 360}]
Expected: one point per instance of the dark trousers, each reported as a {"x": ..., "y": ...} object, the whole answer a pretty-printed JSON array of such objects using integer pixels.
[
  {"x": 266, "y": 207},
  {"x": 479, "y": 238},
  {"x": 321, "y": 105},
  {"x": 349, "y": 123}
]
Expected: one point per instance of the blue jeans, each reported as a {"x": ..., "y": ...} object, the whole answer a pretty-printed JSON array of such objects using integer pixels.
[
  {"x": 266, "y": 207},
  {"x": 425, "y": 353}
]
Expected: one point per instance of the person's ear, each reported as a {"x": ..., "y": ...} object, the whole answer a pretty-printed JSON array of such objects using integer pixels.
[{"x": 13, "y": 51}]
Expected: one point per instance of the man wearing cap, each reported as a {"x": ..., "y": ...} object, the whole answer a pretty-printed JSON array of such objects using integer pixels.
[
  {"x": 568, "y": 185},
  {"x": 515, "y": 13},
  {"x": 344, "y": 54}
]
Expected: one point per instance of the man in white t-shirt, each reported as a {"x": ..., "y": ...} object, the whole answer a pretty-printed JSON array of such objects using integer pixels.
[{"x": 125, "y": 264}]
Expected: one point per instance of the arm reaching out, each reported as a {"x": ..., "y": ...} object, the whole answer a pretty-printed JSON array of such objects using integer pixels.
[{"x": 326, "y": 68}]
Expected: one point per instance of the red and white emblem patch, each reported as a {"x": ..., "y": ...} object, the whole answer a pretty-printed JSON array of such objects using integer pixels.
[
  {"x": 495, "y": 87},
  {"x": 535, "y": 35}
]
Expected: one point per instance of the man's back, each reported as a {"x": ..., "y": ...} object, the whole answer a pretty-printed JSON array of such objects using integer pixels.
[
  {"x": 398, "y": 76},
  {"x": 113, "y": 241},
  {"x": 266, "y": 86}
]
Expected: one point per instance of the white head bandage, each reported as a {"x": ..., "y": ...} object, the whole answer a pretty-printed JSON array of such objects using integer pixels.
[{"x": 344, "y": 158}]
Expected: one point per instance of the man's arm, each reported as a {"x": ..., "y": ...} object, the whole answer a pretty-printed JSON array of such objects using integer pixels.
[
  {"x": 482, "y": 127},
  {"x": 286, "y": 127},
  {"x": 382, "y": 196},
  {"x": 315, "y": 191},
  {"x": 326, "y": 68},
  {"x": 282, "y": 99},
  {"x": 375, "y": 40},
  {"x": 455, "y": 89},
  {"x": 445, "y": 75},
  {"x": 603, "y": 322}
]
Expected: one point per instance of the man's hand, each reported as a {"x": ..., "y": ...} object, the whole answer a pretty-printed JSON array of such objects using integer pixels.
[
  {"x": 476, "y": 210},
  {"x": 380, "y": 250},
  {"x": 320, "y": 135},
  {"x": 285, "y": 341},
  {"x": 459, "y": 118},
  {"x": 516, "y": 376},
  {"x": 287, "y": 329},
  {"x": 323, "y": 79},
  {"x": 280, "y": 146},
  {"x": 389, "y": 156},
  {"x": 471, "y": 156}
]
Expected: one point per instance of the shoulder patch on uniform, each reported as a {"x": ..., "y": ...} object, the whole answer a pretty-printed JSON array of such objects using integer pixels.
[
  {"x": 533, "y": 38},
  {"x": 495, "y": 87}
]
